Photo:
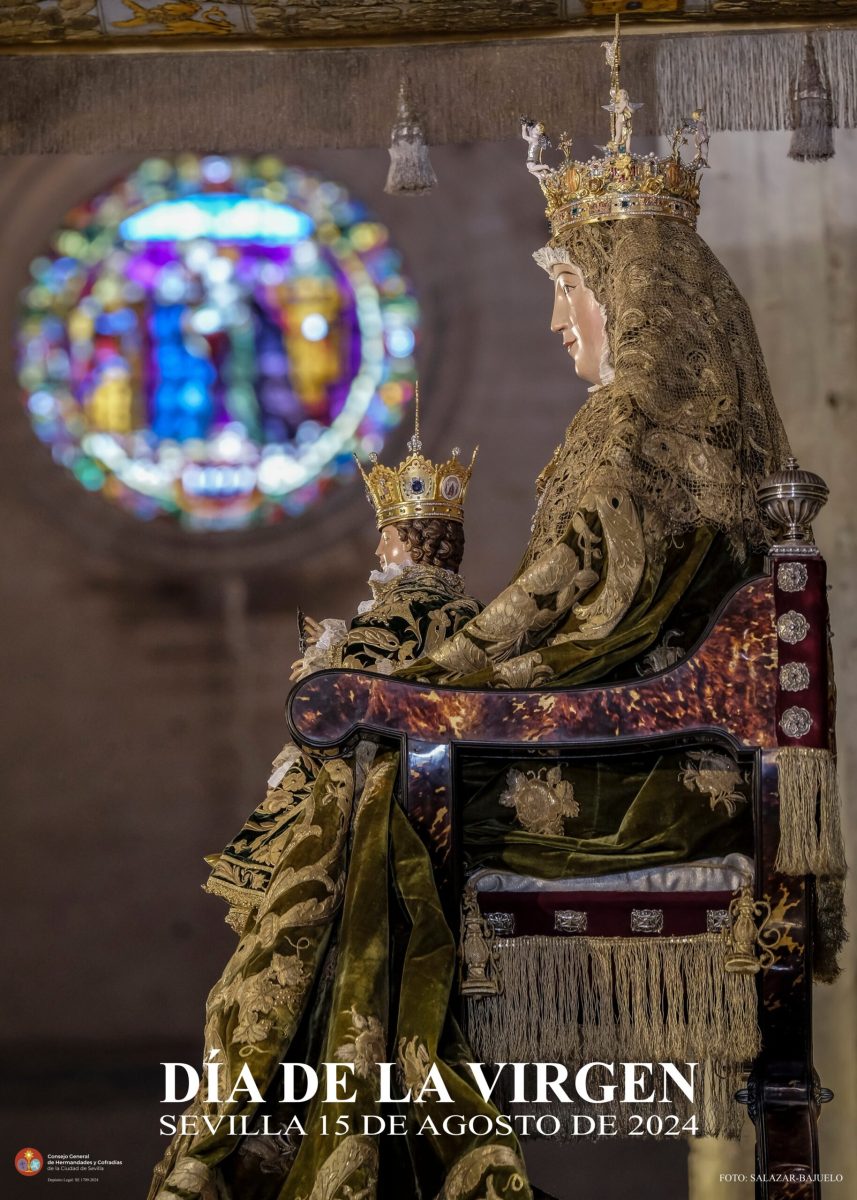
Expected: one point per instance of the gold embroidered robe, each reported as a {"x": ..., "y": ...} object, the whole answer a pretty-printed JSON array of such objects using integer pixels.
[{"x": 409, "y": 615}]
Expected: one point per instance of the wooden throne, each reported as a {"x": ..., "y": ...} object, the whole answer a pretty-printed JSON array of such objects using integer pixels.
[{"x": 737, "y": 687}]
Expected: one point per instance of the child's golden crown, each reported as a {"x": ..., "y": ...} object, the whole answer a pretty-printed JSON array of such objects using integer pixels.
[
  {"x": 619, "y": 184},
  {"x": 418, "y": 488}
]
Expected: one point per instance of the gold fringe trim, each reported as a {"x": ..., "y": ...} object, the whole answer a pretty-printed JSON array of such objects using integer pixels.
[
  {"x": 239, "y": 896},
  {"x": 575, "y": 1000},
  {"x": 810, "y": 830},
  {"x": 242, "y": 902}
]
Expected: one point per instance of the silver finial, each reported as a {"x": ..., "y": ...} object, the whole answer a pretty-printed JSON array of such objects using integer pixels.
[{"x": 792, "y": 499}]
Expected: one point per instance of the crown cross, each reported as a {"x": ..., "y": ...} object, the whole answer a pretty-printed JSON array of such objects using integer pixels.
[{"x": 414, "y": 443}]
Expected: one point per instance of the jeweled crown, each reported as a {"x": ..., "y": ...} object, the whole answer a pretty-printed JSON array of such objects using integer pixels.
[
  {"x": 619, "y": 184},
  {"x": 418, "y": 488}
]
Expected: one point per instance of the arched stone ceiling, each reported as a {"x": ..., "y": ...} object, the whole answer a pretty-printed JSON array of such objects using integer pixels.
[{"x": 83, "y": 24}]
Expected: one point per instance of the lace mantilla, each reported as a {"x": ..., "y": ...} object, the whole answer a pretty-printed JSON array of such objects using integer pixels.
[{"x": 688, "y": 425}]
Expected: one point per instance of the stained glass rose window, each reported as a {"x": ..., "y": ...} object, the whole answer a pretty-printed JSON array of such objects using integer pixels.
[{"x": 212, "y": 339}]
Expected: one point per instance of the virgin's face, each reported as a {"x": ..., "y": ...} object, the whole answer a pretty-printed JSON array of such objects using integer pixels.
[
  {"x": 578, "y": 317},
  {"x": 391, "y": 549}
]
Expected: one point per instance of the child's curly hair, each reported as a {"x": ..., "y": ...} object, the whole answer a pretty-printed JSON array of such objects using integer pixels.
[{"x": 437, "y": 542}]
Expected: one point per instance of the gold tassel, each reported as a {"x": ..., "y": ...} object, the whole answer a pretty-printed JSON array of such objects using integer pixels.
[
  {"x": 647, "y": 999},
  {"x": 810, "y": 830}
]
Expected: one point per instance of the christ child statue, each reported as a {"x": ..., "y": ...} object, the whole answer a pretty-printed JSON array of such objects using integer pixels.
[{"x": 417, "y": 601}]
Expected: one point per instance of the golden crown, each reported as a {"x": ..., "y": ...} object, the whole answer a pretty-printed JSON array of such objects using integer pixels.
[
  {"x": 619, "y": 184},
  {"x": 417, "y": 487}
]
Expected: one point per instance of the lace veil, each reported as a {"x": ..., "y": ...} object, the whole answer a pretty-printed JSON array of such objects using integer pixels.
[{"x": 687, "y": 424}]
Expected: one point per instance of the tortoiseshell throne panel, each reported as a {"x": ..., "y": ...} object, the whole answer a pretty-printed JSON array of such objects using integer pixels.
[{"x": 729, "y": 688}]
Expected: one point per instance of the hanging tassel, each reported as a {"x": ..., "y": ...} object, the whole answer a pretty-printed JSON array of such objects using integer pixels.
[
  {"x": 750, "y": 78},
  {"x": 812, "y": 140},
  {"x": 411, "y": 172},
  {"x": 810, "y": 830}
]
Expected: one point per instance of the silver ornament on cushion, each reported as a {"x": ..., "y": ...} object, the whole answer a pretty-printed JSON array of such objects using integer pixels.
[{"x": 570, "y": 920}]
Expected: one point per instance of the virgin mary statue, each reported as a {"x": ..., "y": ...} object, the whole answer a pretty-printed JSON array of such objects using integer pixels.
[{"x": 646, "y": 516}]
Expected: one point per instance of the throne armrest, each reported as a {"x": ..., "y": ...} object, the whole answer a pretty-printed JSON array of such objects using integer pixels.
[{"x": 728, "y": 684}]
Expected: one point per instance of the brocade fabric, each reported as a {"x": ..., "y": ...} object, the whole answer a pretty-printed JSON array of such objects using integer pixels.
[{"x": 411, "y": 612}]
